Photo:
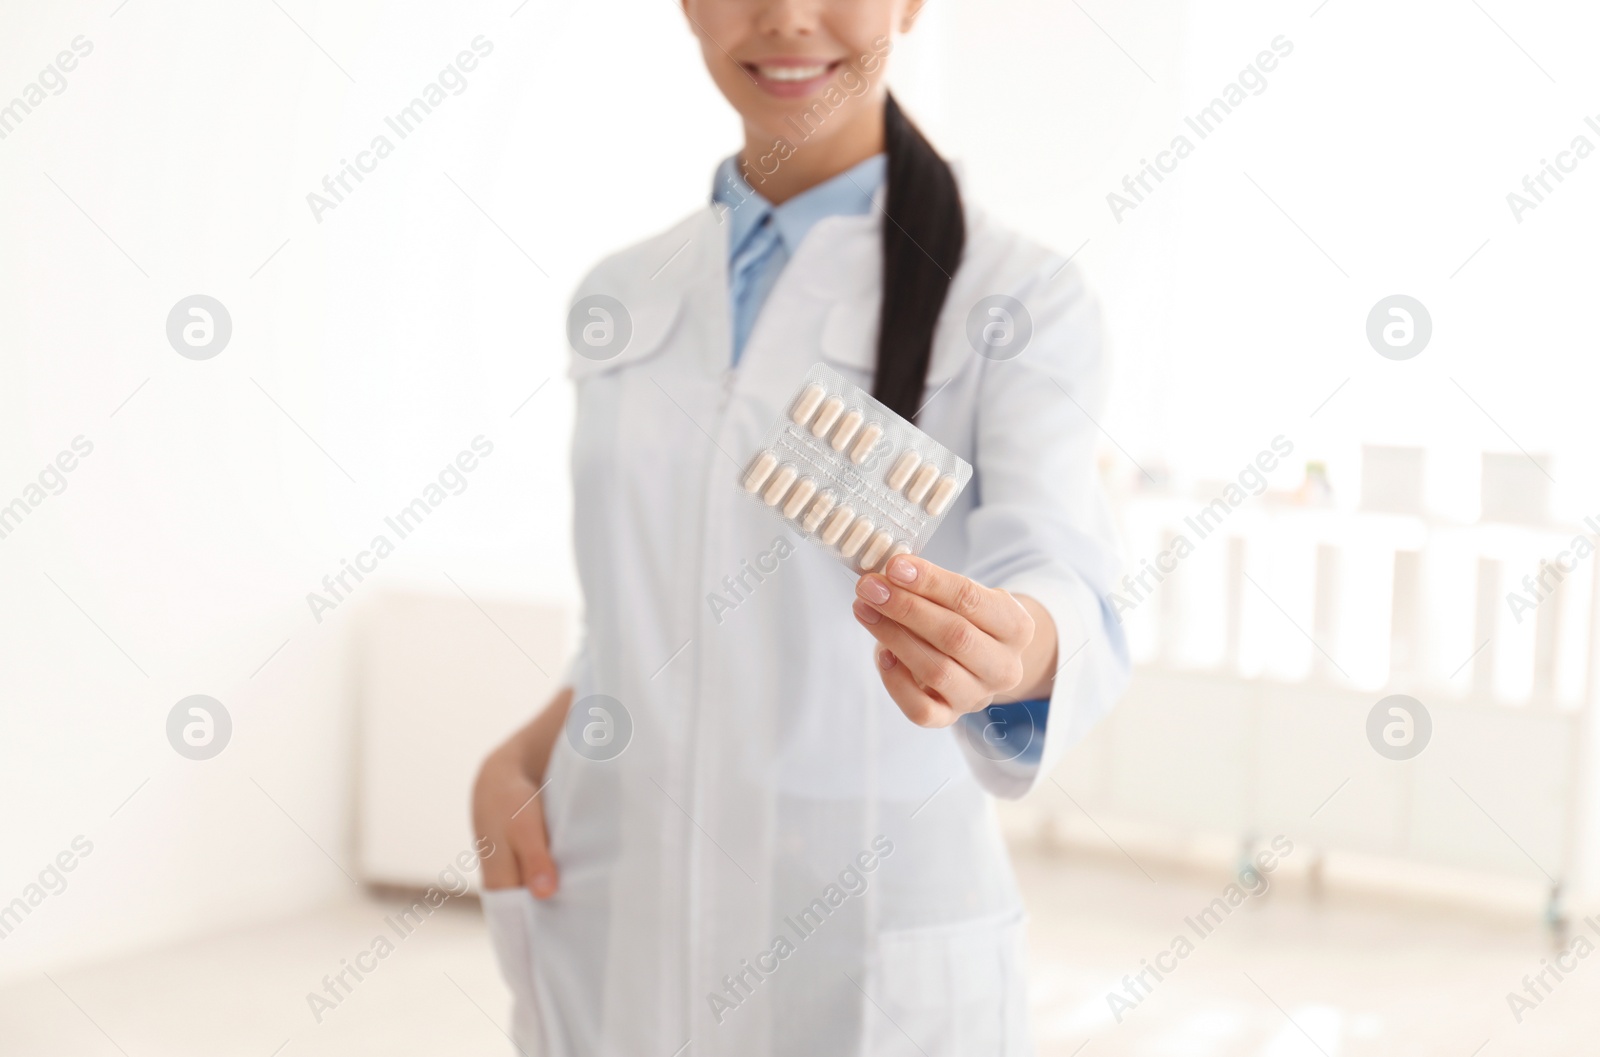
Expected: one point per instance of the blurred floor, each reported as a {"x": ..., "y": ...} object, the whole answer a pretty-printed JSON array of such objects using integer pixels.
[
  {"x": 1284, "y": 976},
  {"x": 1281, "y": 977}
]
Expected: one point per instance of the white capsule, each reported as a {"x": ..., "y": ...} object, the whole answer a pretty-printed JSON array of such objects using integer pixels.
[
  {"x": 836, "y": 525},
  {"x": 780, "y": 485},
  {"x": 864, "y": 443},
  {"x": 847, "y": 429},
  {"x": 898, "y": 549},
  {"x": 875, "y": 551},
  {"x": 827, "y": 416},
  {"x": 799, "y": 497},
  {"x": 939, "y": 501},
  {"x": 856, "y": 537},
  {"x": 819, "y": 510},
  {"x": 806, "y": 405},
  {"x": 903, "y": 467},
  {"x": 760, "y": 470},
  {"x": 922, "y": 482}
]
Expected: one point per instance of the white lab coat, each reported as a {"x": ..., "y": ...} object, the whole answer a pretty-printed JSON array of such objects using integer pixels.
[{"x": 768, "y": 767}]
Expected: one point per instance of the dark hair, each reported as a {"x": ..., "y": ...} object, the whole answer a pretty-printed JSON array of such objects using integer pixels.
[{"x": 924, "y": 231}]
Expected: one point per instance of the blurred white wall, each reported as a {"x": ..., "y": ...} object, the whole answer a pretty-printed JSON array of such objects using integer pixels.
[
  {"x": 371, "y": 347},
  {"x": 368, "y": 350}
]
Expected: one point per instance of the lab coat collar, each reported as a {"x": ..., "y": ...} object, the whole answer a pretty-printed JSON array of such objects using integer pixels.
[
  {"x": 850, "y": 281},
  {"x": 654, "y": 281},
  {"x": 839, "y": 265},
  {"x": 855, "y": 191},
  {"x": 838, "y": 269}
]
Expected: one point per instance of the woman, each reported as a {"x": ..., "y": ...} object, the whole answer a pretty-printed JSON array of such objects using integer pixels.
[{"x": 763, "y": 829}]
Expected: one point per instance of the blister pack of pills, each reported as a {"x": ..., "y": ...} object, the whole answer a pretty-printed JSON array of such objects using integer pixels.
[{"x": 853, "y": 476}]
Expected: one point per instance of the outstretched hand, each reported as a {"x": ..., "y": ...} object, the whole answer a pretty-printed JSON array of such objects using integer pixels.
[{"x": 947, "y": 645}]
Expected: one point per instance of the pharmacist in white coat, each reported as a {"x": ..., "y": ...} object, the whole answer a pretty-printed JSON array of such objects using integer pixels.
[{"x": 757, "y": 822}]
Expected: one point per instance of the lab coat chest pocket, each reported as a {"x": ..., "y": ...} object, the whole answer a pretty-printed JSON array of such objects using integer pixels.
[
  {"x": 955, "y": 990},
  {"x": 620, "y": 405}
]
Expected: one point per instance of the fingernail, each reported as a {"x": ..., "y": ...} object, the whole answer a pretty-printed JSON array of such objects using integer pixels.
[
  {"x": 543, "y": 883},
  {"x": 873, "y": 590},
  {"x": 902, "y": 571},
  {"x": 865, "y": 614},
  {"x": 885, "y": 660}
]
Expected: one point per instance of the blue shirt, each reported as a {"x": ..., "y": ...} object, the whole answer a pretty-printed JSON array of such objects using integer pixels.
[{"x": 762, "y": 238}]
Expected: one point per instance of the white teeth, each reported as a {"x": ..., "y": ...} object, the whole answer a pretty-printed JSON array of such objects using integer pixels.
[{"x": 791, "y": 73}]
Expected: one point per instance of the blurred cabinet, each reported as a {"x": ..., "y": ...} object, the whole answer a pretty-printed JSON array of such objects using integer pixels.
[{"x": 1267, "y": 642}]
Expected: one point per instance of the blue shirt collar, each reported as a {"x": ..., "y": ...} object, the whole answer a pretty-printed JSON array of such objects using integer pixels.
[{"x": 848, "y": 194}]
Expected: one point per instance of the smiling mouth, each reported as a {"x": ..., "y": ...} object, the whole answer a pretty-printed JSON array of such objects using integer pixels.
[
  {"x": 791, "y": 77},
  {"x": 793, "y": 73}
]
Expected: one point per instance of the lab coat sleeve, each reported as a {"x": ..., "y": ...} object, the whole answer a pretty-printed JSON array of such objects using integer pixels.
[{"x": 1042, "y": 526}]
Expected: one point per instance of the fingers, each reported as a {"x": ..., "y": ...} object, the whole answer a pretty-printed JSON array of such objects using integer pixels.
[
  {"x": 992, "y": 611},
  {"x": 995, "y": 665},
  {"x": 508, "y": 812},
  {"x": 982, "y": 628},
  {"x": 918, "y": 706},
  {"x": 531, "y": 847},
  {"x": 499, "y": 866},
  {"x": 937, "y": 675}
]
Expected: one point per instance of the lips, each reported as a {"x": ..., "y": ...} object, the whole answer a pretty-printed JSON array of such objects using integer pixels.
[{"x": 789, "y": 78}]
